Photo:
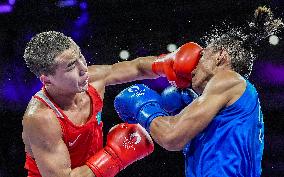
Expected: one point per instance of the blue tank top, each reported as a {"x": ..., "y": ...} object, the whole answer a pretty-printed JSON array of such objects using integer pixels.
[{"x": 232, "y": 144}]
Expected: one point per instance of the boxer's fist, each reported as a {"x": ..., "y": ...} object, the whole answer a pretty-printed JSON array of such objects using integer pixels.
[
  {"x": 178, "y": 65},
  {"x": 138, "y": 104},
  {"x": 174, "y": 99},
  {"x": 186, "y": 59},
  {"x": 126, "y": 143},
  {"x": 130, "y": 142}
]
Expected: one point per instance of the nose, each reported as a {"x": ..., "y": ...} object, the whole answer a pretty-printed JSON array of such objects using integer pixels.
[
  {"x": 82, "y": 73},
  {"x": 83, "y": 69}
]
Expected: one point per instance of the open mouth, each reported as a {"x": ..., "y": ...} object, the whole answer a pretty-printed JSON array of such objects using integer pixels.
[{"x": 85, "y": 82}]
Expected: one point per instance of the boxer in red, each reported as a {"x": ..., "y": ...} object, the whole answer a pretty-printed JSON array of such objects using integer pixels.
[{"x": 62, "y": 127}]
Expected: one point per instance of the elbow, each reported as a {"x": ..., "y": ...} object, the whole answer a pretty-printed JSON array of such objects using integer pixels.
[
  {"x": 173, "y": 143},
  {"x": 168, "y": 135}
]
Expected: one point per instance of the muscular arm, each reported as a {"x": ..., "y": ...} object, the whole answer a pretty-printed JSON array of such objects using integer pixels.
[
  {"x": 173, "y": 132},
  {"x": 137, "y": 69},
  {"x": 48, "y": 148}
]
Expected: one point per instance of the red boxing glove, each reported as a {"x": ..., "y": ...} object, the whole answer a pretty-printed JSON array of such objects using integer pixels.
[
  {"x": 178, "y": 65},
  {"x": 187, "y": 58},
  {"x": 163, "y": 66},
  {"x": 126, "y": 143}
]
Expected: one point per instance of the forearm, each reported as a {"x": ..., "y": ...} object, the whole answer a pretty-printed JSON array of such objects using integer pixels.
[
  {"x": 144, "y": 66},
  {"x": 164, "y": 131},
  {"x": 83, "y": 171},
  {"x": 122, "y": 72},
  {"x": 174, "y": 132}
]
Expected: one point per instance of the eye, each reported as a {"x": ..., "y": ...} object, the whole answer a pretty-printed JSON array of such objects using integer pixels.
[{"x": 71, "y": 67}]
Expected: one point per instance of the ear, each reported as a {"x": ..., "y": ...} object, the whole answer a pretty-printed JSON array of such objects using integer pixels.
[
  {"x": 222, "y": 58},
  {"x": 45, "y": 79}
]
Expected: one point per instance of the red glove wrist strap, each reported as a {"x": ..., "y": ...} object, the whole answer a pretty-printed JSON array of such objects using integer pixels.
[{"x": 104, "y": 164}]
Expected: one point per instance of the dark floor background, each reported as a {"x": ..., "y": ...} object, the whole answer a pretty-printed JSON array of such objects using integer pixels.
[{"x": 102, "y": 29}]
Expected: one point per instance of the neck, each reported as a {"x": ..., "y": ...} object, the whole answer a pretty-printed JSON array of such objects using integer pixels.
[
  {"x": 210, "y": 76},
  {"x": 64, "y": 100}
]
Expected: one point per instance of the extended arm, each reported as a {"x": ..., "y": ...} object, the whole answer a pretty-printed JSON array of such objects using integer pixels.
[
  {"x": 121, "y": 72},
  {"x": 176, "y": 66}
]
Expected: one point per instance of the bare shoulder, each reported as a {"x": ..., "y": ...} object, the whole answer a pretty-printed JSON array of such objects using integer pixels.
[
  {"x": 97, "y": 77},
  {"x": 37, "y": 110},
  {"x": 39, "y": 120},
  {"x": 228, "y": 84},
  {"x": 224, "y": 81}
]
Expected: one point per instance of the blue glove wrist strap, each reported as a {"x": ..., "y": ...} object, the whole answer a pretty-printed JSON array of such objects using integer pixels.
[{"x": 148, "y": 113}]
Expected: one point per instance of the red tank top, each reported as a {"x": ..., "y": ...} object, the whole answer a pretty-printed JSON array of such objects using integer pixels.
[{"x": 82, "y": 141}]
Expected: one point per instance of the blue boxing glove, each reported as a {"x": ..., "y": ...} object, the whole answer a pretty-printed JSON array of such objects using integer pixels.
[
  {"x": 174, "y": 99},
  {"x": 139, "y": 104}
]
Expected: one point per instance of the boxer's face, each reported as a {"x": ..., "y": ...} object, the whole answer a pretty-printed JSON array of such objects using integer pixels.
[
  {"x": 204, "y": 70},
  {"x": 71, "y": 75}
]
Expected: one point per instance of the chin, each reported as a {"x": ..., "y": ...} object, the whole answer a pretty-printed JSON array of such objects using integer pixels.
[
  {"x": 196, "y": 88},
  {"x": 199, "y": 92},
  {"x": 193, "y": 86}
]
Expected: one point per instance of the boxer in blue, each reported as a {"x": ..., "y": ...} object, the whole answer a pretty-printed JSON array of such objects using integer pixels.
[{"x": 221, "y": 131}]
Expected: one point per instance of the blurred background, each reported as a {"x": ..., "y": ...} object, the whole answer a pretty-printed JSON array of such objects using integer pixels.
[{"x": 110, "y": 31}]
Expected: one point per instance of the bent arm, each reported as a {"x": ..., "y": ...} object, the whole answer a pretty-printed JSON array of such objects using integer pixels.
[
  {"x": 121, "y": 72},
  {"x": 173, "y": 132},
  {"x": 49, "y": 150}
]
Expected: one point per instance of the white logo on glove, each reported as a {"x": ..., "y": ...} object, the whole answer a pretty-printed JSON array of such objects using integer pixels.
[
  {"x": 129, "y": 143},
  {"x": 133, "y": 89},
  {"x": 136, "y": 90},
  {"x": 138, "y": 139}
]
